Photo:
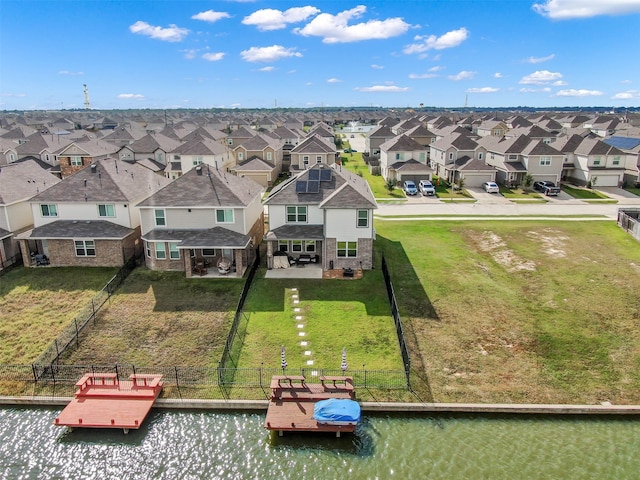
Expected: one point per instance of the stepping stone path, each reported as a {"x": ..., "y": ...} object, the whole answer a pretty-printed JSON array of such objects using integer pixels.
[{"x": 300, "y": 325}]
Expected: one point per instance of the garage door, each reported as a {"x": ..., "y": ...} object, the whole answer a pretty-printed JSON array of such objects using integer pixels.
[
  {"x": 606, "y": 180},
  {"x": 477, "y": 179}
]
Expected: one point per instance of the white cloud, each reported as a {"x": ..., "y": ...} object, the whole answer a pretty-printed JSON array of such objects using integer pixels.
[
  {"x": 420, "y": 76},
  {"x": 540, "y": 59},
  {"x": 483, "y": 90},
  {"x": 72, "y": 74},
  {"x": 333, "y": 80},
  {"x": 572, "y": 92},
  {"x": 335, "y": 28},
  {"x": 377, "y": 67},
  {"x": 267, "y": 69},
  {"x": 628, "y": 95},
  {"x": 498, "y": 75},
  {"x": 567, "y": 9},
  {"x": 210, "y": 16},
  {"x": 213, "y": 57},
  {"x": 128, "y": 96},
  {"x": 463, "y": 75},
  {"x": 171, "y": 34},
  {"x": 18, "y": 95},
  {"x": 625, "y": 81},
  {"x": 448, "y": 40},
  {"x": 540, "y": 77},
  {"x": 271, "y": 19},
  {"x": 559, "y": 83},
  {"x": 268, "y": 54},
  {"x": 535, "y": 90},
  {"x": 437, "y": 68},
  {"x": 382, "y": 88},
  {"x": 190, "y": 54}
]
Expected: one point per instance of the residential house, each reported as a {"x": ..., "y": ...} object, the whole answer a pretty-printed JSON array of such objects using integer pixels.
[
  {"x": 8, "y": 151},
  {"x": 515, "y": 157},
  {"x": 155, "y": 146},
  {"x": 18, "y": 183},
  {"x": 631, "y": 148},
  {"x": 90, "y": 219},
  {"x": 394, "y": 155},
  {"x": 326, "y": 212},
  {"x": 202, "y": 220},
  {"x": 195, "y": 152},
  {"x": 597, "y": 163},
  {"x": 312, "y": 150},
  {"x": 81, "y": 153},
  {"x": 43, "y": 147},
  {"x": 266, "y": 151},
  {"x": 493, "y": 128},
  {"x": 376, "y": 137},
  {"x": 446, "y": 150}
]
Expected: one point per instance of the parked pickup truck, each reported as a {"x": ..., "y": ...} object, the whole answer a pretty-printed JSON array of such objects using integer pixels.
[{"x": 547, "y": 188}]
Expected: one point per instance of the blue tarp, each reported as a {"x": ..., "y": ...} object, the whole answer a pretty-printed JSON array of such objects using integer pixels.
[{"x": 336, "y": 410}]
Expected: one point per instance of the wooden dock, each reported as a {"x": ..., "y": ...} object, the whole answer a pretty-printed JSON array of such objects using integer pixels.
[
  {"x": 104, "y": 401},
  {"x": 293, "y": 399}
]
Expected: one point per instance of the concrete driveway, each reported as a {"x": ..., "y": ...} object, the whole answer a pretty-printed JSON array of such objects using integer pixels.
[
  {"x": 486, "y": 198},
  {"x": 357, "y": 142}
]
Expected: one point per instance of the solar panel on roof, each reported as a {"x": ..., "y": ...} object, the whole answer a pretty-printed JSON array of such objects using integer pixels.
[
  {"x": 313, "y": 186},
  {"x": 325, "y": 175},
  {"x": 301, "y": 186},
  {"x": 314, "y": 174}
]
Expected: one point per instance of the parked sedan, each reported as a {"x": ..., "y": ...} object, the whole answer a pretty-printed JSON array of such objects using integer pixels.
[{"x": 491, "y": 187}]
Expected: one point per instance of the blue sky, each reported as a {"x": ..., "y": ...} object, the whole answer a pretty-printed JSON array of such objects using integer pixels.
[{"x": 262, "y": 54}]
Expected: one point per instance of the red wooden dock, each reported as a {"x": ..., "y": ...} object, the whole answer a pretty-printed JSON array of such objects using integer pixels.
[
  {"x": 292, "y": 401},
  {"x": 104, "y": 401}
]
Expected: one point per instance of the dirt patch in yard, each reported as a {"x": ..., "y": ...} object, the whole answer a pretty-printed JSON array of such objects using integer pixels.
[
  {"x": 491, "y": 243},
  {"x": 553, "y": 242}
]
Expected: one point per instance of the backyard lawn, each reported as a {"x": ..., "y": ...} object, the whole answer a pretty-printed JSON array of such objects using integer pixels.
[
  {"x": 37, "y": 303},
  {"x": 162, "y": 318},
  {"x": 517, "y": 311},
  {"x": 355, "y": 163},
  {"x": 353, "y": 314}
]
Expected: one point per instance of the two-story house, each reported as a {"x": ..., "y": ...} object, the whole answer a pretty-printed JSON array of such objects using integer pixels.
[
  {"x": 18, "y": 183},
  {"x": 81, "y": 153},
  {"x": 202, "y": 220},
  {"x": 376, "y": 137},
  {"x": 447, "y": 150},
  {"x": 259, "y": 158},
  {"x": 199, "y": 150},
  {"x": 90, "y": 219},
  {"x": 325, "y": 212},
  {"x": 153, "y": 146},
  {"x": 313, "y": 150},
  {"x": 402, "y": 158},
  {"x": 598, "y": 164}
]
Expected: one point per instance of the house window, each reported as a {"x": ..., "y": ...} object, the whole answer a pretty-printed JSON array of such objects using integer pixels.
[
  {"x": 347, "y": 249},
  {"x": 596, "y": 161},
  {"x": 176, "y": 157},
  {"x": 616, "y": 161},
  {"x": 318, "y": 159},
  {"x": 161, "y": 251},
  {"x": 296, "y": 245},
  {"x": 296, "y": 214},
  {"x": 76, "y": 161},
  {"x": 147, "y": 246},
  {"x": 229, "y": 141},
  {"x": 363, "y": 218},
  {"x": 305, "y": 159},
  {"x": 49, "y": 210},
  {"x": 310, "y": 246},
  {"x": 513, "y": 156},
  {"x": 107, "y": 210},
  {"x": 269, "y": 155},
  {"x": 46, "y": 157},
  {"x": 224, "y": 216},
  {"x": 174, "y": 253},
  {"x": 197, "y": 161},
  {"x": 208, "y": 252},
  {"x": 450, "y": 155},
  {"x": 160, "y": 218},
  {"x": 423, "y": 157},
  {"x": 85, "y": 248},
  {"x": 398, "y": 156},
  {"x": 283, "y": 246},
  {"x": 480, "y": 155},
  {"x": 240, "y": 156},
  {"x": 545, "y": 161}
]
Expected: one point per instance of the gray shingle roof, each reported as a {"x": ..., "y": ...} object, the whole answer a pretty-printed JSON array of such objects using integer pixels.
[
  {"x": 21, "y": 181},
  {"x": 211, "y": 188},
  {"x": 314, "y": 144},
  {"x": 217, "y": 237},
  {"x": 80, "y": 229},
  {"x": 297, "y": 232}
]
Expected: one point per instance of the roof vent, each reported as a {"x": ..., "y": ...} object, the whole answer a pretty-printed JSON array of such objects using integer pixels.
[
  {"x": 94, "y": 168},
  {"x": 199, "y": 170}
]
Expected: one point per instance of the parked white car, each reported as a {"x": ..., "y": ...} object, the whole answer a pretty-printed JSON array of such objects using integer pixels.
[
  {"x": 491, "y": 187},
  {"x": 426, "y": 188}
]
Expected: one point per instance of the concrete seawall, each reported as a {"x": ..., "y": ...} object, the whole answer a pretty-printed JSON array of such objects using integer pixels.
[{"x": 381, "y": 407}]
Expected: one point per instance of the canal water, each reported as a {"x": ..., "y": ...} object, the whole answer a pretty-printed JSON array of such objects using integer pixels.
[{"x": 205, "y": 445}]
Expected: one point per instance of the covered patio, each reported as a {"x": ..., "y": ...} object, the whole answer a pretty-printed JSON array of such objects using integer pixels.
[{"x": 302, "y": 245}]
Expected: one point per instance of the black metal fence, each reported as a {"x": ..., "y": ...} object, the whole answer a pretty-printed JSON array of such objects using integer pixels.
[
  {"x": 226, "y": 357},
  {"x": 70, "y": 336},
  {"x": 9, "y": 263},
  {"x": 201, "y": 377},
  {"x": 395, "y": 312}
]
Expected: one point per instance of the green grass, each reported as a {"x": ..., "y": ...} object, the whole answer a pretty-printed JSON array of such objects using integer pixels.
[
  {"x": 355, "y": 163},
  {"x": 519, "y": 194},
  {"x": 520, "y": 311},
  {"x": 634, "y": 190},
  {"x": 335, "y": 313},
  {"x": 37, "y": 303},
  {"x": 584, "y": 193},
  {"x": 162, "y": 318}
]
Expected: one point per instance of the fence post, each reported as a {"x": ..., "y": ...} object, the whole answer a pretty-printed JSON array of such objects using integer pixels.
[
  {"x": 35, "y": 375},
  {"x": 75, "y": 320},
  {"x": 117, "y": 373},
  {"x": 57, "y": 351},
  {"x": 93, "y": 309}
]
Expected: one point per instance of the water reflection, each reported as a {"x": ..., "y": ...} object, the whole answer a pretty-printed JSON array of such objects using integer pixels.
[{"x": 195, "y": 445}]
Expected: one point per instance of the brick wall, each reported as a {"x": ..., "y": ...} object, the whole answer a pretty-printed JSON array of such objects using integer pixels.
[
  {"x": 109, "y": 253},
  {"x": 167, "y": 264},
  {"x": 363, "y": 261}
]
